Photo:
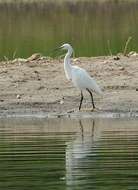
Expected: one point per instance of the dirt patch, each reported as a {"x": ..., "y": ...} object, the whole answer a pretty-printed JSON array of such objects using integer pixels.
[{"x": 39, "y": 85}]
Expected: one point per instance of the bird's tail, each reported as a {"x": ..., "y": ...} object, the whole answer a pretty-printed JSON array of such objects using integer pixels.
[
  {"x": 99, "y": 91},
  {"x": 96, "y": 88}
]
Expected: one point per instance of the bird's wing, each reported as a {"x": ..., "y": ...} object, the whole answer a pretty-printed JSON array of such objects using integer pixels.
[{"x": 83, "y": 80}]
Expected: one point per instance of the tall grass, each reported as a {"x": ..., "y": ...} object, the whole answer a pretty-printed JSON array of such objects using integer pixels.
[{"x": 92, "y": 28}]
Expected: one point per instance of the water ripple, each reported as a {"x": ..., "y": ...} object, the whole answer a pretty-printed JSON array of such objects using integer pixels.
[{"x": 68, "y": 154}]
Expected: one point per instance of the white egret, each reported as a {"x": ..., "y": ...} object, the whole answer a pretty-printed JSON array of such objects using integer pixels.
[{"x": 79, "y": 77}]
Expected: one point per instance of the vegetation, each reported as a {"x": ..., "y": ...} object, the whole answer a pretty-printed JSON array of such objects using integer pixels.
[{"x": 93, "y": 29}]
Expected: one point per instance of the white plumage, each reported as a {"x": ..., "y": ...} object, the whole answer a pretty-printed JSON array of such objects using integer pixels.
[
  {"x": 79, "y": 77},
  {"x": 82, "y": 80}
]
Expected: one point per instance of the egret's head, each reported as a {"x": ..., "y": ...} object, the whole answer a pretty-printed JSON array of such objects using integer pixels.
[{"x": 66, "y": 47}]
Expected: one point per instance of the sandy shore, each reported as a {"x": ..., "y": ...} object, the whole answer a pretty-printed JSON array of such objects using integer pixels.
[{"x": 38, "y": 86}]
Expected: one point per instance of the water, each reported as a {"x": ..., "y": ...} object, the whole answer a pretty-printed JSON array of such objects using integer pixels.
[
  {"x": 68, "y": 154},
  {"x": 88, "y": 25}
]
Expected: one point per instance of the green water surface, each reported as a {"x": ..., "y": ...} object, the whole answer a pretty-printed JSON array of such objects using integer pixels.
[{"x": 68, "y": 154}]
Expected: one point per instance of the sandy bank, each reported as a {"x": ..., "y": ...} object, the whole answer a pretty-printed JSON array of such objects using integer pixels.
[{"x": 38, "y": 86}]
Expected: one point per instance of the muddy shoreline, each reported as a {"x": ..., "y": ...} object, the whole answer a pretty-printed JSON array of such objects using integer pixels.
[{"x": 37, "y": 87}]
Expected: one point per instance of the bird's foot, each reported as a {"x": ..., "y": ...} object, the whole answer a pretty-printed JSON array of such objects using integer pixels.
[
  {"x": 96, "y": 109},
  {"x": 86, "y": 110},
  {"x": 90, "y": 109}
]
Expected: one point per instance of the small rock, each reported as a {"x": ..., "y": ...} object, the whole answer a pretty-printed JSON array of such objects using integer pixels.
[
  {"x": 121, "y": 68},
  {"x": 18, "y": 96},
  {"x": 136, "y": 89},
  {"x": 116, "y": 58},
  {"x": 61, "y": 102},
  {"x": 33, "y": 57},
  {"x": 132, "y": 53}
]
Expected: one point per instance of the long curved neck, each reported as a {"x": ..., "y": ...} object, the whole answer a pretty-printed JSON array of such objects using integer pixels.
[
  {"x": 69, "y": 53},
  {"x": 67, "y": 64}
]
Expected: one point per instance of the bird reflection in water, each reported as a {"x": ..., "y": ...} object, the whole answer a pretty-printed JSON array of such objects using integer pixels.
[
  {"x": 82, "y": 129},
  {"x": 78, "y": 151}
]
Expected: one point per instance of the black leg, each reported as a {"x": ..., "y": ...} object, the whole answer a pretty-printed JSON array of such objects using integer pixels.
[
  {"x": 91, "y": 97},
  {"x": 81, "y": 126},
  {"x": 81, "y": 100}
]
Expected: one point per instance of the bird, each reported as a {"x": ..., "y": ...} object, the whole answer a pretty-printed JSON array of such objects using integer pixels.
[{"x": 79, "y": 76}]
